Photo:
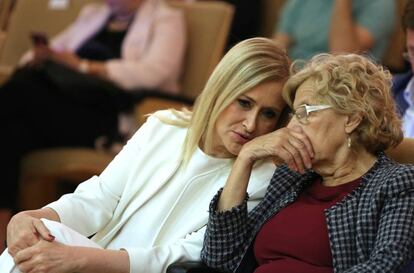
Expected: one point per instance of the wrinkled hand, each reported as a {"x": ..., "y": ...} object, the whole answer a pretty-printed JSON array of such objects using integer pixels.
[
  {"x": 46, "y": 257},
  {"x": 67, "y": 58},
  {"x": 24, "y": 231},
  {"x": 286, "y": 145}
]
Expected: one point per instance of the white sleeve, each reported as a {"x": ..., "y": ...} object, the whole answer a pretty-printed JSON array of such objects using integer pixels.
[
  {"x": 91, "y": 206},
  {"x": 158, "y": 258}
]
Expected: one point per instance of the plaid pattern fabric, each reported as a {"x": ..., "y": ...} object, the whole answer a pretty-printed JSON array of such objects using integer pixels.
[{"x": 370, "y": 230}]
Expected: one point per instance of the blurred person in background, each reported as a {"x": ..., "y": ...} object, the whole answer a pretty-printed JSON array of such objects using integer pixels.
[
  {"x": 403, "y": 84},
  {"x": 73, "y": 91},
  {"x": 308, "y": 27}
]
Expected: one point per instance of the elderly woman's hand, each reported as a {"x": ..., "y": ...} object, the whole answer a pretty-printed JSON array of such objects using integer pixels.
[
  {"x": 286, "y": 145},
  {"x": 25, "y": 231}
]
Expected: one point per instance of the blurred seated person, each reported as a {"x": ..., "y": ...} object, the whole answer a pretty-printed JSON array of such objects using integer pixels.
[
  {"x": 403, "y": 84},
  {"x": 338, "y": 203},
  {"x": 310, "y": 27},
  {"x": 71, "y": 92}
]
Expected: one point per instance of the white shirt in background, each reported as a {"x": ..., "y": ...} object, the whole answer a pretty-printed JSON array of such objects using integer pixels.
[{"x": 408, "y": 117}]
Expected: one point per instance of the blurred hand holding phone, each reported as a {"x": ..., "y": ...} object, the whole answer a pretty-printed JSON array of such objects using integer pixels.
[{"x": 42, "y": 52}]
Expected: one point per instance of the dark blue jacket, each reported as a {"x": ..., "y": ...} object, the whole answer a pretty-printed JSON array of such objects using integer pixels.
[{"x": 399, "y": 83}]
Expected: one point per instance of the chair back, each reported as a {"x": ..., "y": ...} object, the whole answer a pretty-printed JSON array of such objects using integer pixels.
[
  {"x": 270, "y": 16},
  {"x": 5, "y": 9},
  {"x": 39, "y": 15},
  {"x": 208, "y": 24}
]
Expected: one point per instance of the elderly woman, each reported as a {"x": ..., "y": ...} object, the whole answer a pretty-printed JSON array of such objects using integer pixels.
[
  {"x": 339, "y": 204},
  {"x": 148, "y": 208}
]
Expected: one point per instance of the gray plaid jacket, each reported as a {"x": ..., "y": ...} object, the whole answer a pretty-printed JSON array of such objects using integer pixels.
[{"x": 370, "y": 230}]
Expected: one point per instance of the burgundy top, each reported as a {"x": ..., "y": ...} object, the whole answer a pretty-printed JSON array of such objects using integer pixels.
[{"x": 295, "y": 240}]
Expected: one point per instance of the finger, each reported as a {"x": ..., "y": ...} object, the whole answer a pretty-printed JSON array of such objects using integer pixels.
[
  {"x": 296, "y": 156},
  {"x": 42, "y": 230},
  {"x": 23, "y": 255},
  {"x": 30, "y": 237},
  {"x": 303, "y": 151},
  {"x": 297, "y": 131},
  {"x": 277, "y": 161},
  {"x": 26, "y": 240},
  {"x": 281, "y": 153},
  {"x": 27, "y": 266},
  {"x": 286, "y": 156}
]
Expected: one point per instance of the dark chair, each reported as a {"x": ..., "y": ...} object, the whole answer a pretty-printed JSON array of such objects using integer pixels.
[{"x": 191, "y": 267}]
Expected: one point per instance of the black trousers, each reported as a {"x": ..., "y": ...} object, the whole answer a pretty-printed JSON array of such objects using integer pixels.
[{"x": 52, "y": 106}]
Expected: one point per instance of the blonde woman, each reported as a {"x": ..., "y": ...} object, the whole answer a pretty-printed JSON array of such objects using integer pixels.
[
  {"x": 148, "y": 208},
  {"x": 351, "y": 209}
]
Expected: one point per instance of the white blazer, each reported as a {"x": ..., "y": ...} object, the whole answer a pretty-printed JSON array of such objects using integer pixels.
[
  {"x": 138, "y": 176},
  {"x": 152, "y": 51}
]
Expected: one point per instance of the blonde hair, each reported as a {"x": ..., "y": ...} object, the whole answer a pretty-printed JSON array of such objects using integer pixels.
[
  {"x": 351, "y": 84},
  {"x": 248, "y": 64}
]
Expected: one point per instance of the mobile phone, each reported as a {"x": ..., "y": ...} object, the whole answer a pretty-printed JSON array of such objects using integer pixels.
[{"x": 39, "y": 38}]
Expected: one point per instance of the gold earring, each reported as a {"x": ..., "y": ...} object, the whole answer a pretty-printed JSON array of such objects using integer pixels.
[{"x": 349, "y": 142}]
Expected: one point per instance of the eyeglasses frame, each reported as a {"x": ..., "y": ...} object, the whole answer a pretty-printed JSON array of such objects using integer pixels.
[{"x": 309, "y": 109}]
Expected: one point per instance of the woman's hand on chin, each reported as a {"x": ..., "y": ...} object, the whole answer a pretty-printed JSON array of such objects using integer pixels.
[{"x": 286, "y": 145}]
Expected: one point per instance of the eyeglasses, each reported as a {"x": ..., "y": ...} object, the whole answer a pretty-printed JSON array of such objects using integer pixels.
[{"x": 303, "y": 111}]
